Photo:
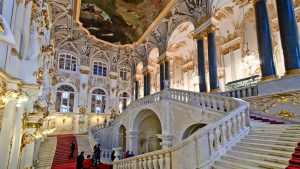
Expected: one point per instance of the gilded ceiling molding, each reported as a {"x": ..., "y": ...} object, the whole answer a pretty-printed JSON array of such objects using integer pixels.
[
  {"x": 233, "y": 43},
  {"x": 209, "y": 25}
]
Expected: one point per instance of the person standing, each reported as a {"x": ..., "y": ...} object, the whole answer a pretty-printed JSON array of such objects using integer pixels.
[
  {"x": 79, "y": 161},
  {"x": 98, "y": 151},
  {"x": 87, "y": 163},
  {"x": 72, "y": 149}
]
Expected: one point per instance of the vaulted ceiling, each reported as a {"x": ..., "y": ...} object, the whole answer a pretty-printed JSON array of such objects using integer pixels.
[{"x": 120, "y": 21}]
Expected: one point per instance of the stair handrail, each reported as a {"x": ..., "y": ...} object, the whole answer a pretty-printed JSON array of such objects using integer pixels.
[
  {"x": 218, "y": 136},
  {"x": 204, "y": 100}
]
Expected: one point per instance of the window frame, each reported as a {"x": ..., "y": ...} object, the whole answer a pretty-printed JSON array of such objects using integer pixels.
[
  {"x": 70, "y": 93},
  {"x": 72, "y": 60},
  {"x": 94, "y": 100},
  {"x": 101, "y": 66},
  {"x": 123, "y": 76}
]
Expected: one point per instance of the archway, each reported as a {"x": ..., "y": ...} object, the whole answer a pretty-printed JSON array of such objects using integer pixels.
[
  {"x": 192, "y": 129},
  {"x": 182, "y": 49},
  {"x": 148, "y": 126},
  {"x": 122, "y": 137},
  {"x": 154, "y": 72}
]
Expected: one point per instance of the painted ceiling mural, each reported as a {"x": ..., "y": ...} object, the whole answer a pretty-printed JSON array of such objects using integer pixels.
[{"x": 120, "y": 21}]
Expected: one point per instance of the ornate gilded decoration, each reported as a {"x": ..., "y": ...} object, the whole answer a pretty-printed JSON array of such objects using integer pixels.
[
  {"x": 221, "y": 14},
  {"x": 286, "y": 114},
  {"x": 3, "y": 91},
  {"x": 39, "y": 76},
  {"x": 82, "y": 109},
  {"x": 272, "y": 104},
  {"x": 52, "y": 73},
  {"x": 233, "y": 47}
]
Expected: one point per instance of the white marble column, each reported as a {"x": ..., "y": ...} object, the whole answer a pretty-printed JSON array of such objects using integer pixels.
[
  {"x": 17, "y": 138},
  {"x": 6, "y": 133}
]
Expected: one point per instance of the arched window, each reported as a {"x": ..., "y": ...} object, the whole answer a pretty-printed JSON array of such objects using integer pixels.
[
  {"x": 98, "y": 101},
  {"x": 124, "y": 100},
  {"x": 100, "y": 69},
  {"x": 65, "y": 99},
  {"x": 125, "y": 74},
  {"x": 67, "y": 62}
]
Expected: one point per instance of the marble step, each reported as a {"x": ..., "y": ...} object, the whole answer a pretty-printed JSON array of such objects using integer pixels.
[
  {"x": 277, "y": 126},
  {"x": 267, "y": 137},
  {"x": 271, "y": 142},
  {"x": 267, "y": 146},
  {"x": 264, "y": 157},
  {"x": 285, "y": 131},
  {"x": 263, "y": 151},
  {"x": 229, "y": 164},
  {"x": 254, "y": 162},
  {"x": 276, "y": 134}
]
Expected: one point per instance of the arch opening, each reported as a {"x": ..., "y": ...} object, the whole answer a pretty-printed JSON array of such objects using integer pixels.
[
  {"x": 148, "y": 126},
  {"x": 122, "y": 137},
  {"x": 182, "y": 49},
  {"x": 192, "y": 129}
]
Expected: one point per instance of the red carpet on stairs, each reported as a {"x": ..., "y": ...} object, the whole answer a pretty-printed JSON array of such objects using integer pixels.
[
  {"x": 295, "y": 160},
  {"x": 265, "y": 120},
  {"x": 61, "y": 158}
]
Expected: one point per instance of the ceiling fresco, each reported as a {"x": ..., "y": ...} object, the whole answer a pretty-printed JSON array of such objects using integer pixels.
[{"x": 119, "y": 21}]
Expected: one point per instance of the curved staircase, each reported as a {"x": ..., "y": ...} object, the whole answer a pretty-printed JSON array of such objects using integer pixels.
[{"x": 270, "y": 144}]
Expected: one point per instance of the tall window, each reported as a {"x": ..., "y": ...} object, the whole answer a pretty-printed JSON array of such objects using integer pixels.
[
  {"x": 124, "y": 100},
  {"x": 100, "y": 69},
  {"x": 65, "y": 99},
  {"x": 98, "y": 101},
  {"x": 125, "y": 74},
  {"x": 67, "y": 62}
]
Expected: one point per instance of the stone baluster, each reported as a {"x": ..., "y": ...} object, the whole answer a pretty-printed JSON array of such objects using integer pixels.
[
  {"x": 238, "y": 123},
  {"x": 168, "y": 160},
  {"x": 129, "y": 164},
  {"x": 223, "y": 134},
  {"x": 154, "y": 161},
  {"x": 149, "y": 162},
  {"x": 229, "y": 131},
  {"x": 214, "y": 101},
  {"x": 243, "y": 120},
  {"x": 140, "y": 163},
  {"x": 233, "y": 127},
  {"x": 221, "y": 104},
  {"x": 217, "y": 138},
  {"x": 161, "y": 161},
  {"x": 211, "y": 141},
  {"x": 145, "y": 162}
]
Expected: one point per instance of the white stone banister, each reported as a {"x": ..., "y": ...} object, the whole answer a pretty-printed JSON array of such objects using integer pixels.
[
  {"x": 157, "y": 160},
  {"x": 202, "y": 100},
  {"x": 214, "y": 138},
  {"x": 241, "y": 93}
]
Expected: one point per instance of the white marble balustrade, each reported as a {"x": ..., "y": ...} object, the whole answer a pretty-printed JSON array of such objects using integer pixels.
[
  {"x": 217, "y": 136},
  {"x": 202, "y": 100},
  {"x": 241, "y": 93},
  {"x": 157, "y": 160}
]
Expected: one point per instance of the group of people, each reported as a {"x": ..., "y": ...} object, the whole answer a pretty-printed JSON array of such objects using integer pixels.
[
  {"x": 128, "y": 154},
  {"x": 89, "y": 162}
]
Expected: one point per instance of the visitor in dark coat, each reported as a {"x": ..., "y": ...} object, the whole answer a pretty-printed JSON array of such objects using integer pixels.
[
  {"x": 72, "y": 149},
  {"x": 79, "y": 161}
]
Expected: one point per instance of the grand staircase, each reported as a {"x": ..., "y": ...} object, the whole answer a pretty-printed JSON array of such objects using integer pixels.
[
  {"x": 46, "y": 153},
  {"x": 270, "y": 144}
]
